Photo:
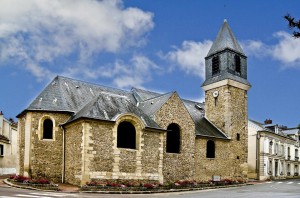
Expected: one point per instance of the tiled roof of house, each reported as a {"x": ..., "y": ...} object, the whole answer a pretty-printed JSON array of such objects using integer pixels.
[
  {"x": 87, "y": 100},
  {"x": 271, "y": 129}
]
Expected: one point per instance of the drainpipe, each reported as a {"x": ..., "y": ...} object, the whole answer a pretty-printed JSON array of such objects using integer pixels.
[
  {"x": 258, "y": 155},
  {"x": 63, "y": 156}
]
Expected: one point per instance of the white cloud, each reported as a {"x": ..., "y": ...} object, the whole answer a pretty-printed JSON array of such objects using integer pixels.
[
  {"x": 134, "y": 74},
  {"x": 285, "y": 50},
  {"x": 40, "y": 32},
  {"x": 190, "y": 57},
  {"x": 125, "y": 75},
  {"x": 255, "y": 48}
]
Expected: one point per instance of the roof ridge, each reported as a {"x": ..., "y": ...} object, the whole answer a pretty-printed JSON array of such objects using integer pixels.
[
  {"x": 162, "y": 95},
  {"x": 94, "y": 84}
]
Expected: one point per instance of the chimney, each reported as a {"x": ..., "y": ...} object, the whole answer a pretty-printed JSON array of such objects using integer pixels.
[
  {"x": 268, "y": 121},
  {"x": 1, "y": 113}
]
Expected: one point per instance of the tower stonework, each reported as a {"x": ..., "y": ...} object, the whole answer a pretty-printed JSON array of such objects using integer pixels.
[{"x": 226, "y": 87}]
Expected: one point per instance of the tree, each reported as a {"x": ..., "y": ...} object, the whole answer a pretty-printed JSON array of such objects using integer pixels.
[{"x": 293, "y": 24}]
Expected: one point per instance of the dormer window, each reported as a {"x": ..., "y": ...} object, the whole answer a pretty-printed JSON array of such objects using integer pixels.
[
  {"x": 215, "y": 65},
  {"x": 237, "y": 61}
]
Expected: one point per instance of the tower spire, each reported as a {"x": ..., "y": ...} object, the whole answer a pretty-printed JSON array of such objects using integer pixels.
[{"x": 225, "y": 40}]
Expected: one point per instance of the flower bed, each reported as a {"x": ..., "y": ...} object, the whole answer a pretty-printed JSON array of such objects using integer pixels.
[
  {"x": 40, "y": 183},
  {"x": 95, "y": 185}
]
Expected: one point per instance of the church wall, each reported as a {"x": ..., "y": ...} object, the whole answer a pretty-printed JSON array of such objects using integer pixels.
[
  {"x": 46, "y": 155},
  {"x": 21, "y": 132},
  {"x": 73, "y": 153},
  {"x": 152, "y": 152},
  {"x": 230, "y": 114},
  {"x": 91, "y": 153},
  {"x": 225, "y": 163},
  {"x": 101, "y": 146},
  {"x": 177, "y": 166}
]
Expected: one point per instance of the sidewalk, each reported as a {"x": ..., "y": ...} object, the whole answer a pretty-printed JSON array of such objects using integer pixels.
[
  {"x": 2, "y": 177},
  {"x": 68, "y": 188},
  {"x": 62, "y": 187}
]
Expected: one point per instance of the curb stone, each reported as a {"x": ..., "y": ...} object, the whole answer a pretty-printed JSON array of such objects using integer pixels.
[
  {"x": 126, "y": 192},
  {"x": 25, "y": 187}
]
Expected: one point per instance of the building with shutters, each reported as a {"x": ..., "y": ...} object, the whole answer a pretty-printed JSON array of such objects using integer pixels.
[
  {"x": 8, "y": 146},
  {"x": 273, "y": 151}
]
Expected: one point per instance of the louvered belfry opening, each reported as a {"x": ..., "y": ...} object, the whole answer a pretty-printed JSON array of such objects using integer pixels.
[{"x": 215, "y": 65}]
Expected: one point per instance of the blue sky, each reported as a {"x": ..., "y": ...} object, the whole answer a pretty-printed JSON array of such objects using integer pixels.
[{"x": 155, "y": 45}]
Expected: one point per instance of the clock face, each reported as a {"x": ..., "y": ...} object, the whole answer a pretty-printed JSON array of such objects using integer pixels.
[{"x": 215, "y": 94}]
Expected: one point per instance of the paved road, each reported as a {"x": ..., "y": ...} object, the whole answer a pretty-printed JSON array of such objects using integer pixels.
[{"x": 274, "y": 189}]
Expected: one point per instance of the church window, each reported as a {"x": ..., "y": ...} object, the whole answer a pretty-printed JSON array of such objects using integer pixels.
[
  {"x": 238, "y": 137},
  {"x": 126, "y": 136},
  {"x": 173, "y": 139},
  {"x": 210, "y": 149},
  {"x": 215, "y": 65},
  {"x": 48, "y": 129},
  {"x": 237, "y": 60}
]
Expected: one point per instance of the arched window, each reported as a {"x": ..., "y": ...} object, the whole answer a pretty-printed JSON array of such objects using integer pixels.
[
  {"x": 210, "y": 149},
  {"x": 126, "y": 136},
  {"x": 237, "y": 61},
  {"x": 215, "y": 65},
  {"x": 48, "y": 129},
  {"x": 173, "y": 138}
]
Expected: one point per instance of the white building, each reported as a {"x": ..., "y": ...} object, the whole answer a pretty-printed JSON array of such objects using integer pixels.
[
  {"x": 273, "y": 151},
  {"x": 8, "y": 146}
]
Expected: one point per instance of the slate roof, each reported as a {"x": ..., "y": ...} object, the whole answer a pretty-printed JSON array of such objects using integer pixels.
[
  {"x": 66, "y": 94},
  {"x": 205, "y": 128},
  {"x": 225, "y": 40},
  {"x": 87, "y": 100},
  {"x": 269, "y": 128},
  {"x": 291, "y": 131},
  {"x": 223, "y": 76}
]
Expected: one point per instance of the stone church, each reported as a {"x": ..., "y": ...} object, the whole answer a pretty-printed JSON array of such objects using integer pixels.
[{"x": 75, "y": 131}]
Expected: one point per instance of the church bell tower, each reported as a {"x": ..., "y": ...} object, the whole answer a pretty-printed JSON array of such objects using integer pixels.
[{"x": 226, "y": 85}]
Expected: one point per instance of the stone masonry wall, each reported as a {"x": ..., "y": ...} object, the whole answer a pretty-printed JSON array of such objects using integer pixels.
[
  {"x": 152, "y": 151},
  {"x": 102, "y": 144},
  {"x": 46, "y": 155},
  {"x": 21, "y": 131},
  {"x": 91, "y": 153},
  {"x": 229, "y": 112},
  {"x": 73, "y": 153},
  {"x": 181, "y": 165},
  {"x": 225, "y": 163}
]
